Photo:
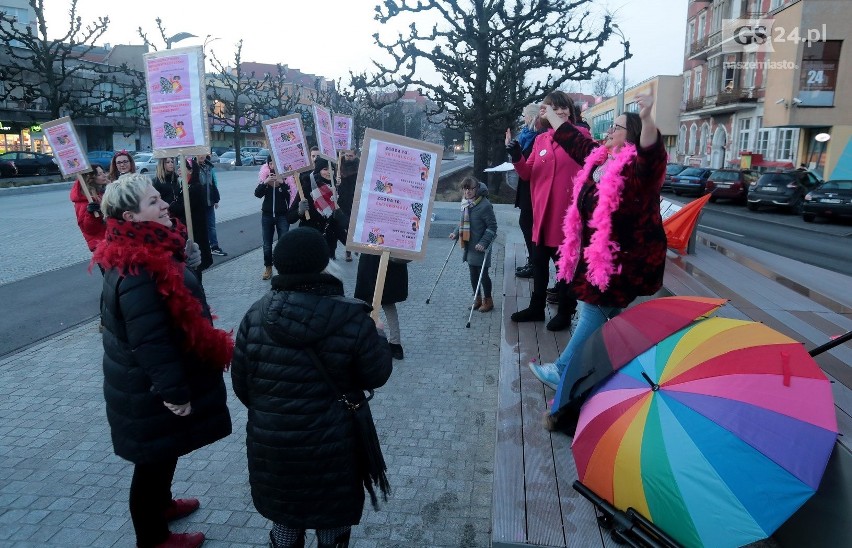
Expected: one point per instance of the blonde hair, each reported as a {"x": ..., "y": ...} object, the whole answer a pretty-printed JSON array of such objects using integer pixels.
[
  {"x": 125, "y": 194},
  {"x": 531, "y": 115},
  {"x": 161, "y": 168}
]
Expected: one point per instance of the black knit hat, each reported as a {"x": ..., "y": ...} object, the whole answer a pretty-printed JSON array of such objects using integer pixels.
[
  {"x": 301, "y": 251},
  {"x": 320, "y": 164}
]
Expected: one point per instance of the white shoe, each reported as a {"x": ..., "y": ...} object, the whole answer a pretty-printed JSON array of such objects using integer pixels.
[{"x": 547, "y": 373}]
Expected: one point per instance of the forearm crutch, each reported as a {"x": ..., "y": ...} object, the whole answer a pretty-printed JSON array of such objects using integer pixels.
[
  {"x": 478, "y": 284},
  {"x": 441, "y": 273}
]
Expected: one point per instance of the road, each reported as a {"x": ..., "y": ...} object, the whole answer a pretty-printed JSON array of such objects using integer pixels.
[
  {"x": 824, "y": 244},
  {"x": 45, "y": 286}
]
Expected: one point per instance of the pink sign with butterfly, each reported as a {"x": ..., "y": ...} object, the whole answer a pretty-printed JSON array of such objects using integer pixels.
[
  {"x": 324, "y": 132},
  {"x": 168, "y": 79},
  {"x": 66, "y": 146},
  {"x": 287, "y": 141},
  {"x": 171, "y": 125},
  {"x": 342, "y": 132}
]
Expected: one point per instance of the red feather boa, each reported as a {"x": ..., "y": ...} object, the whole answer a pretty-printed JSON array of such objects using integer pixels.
[{"x": 159, "y": 251}]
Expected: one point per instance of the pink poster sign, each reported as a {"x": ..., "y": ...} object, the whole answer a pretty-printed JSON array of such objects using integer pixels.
[
  {"x": 171, "y": 125},
  {"x": 287, "y": 143},
  {"x": 168, "y": 79},
  {"x": 177, "y": 101},
  {"x": 342, "y": 132},
  {"x": 63, "y": 139},
  {"x": 324, "y": 132},
  {"x": 394, "y": 193}
]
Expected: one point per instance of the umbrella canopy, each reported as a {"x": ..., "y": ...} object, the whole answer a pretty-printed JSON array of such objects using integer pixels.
[
  {"x": 626, "y": 336},
  {"x": 717, "y": 434}
]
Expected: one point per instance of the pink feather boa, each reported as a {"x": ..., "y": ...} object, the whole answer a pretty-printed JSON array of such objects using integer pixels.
[{"x": 601, "y": 251}]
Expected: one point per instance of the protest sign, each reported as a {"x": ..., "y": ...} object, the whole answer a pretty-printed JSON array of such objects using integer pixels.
[
  {"x": 63, "y": 139},
  {"x": 324, "y": 132},
  {"x": 342, "y": 132}
]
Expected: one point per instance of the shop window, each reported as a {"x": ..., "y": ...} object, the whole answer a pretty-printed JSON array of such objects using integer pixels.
[{"x": 819, "y": 73}]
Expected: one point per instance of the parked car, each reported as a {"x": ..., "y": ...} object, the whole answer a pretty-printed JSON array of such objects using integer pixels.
[
  {"x": 261, "y": 157},
  {"x": 214, "y": 158},
  {"x": 230, "y": 157},
  {"x": 671, "y": 171},
  {"x": 785, "y": 189},
  {"x": 145, "y": 162},
  {"x": 31, "y": 163},
  {"x": 100, "y": 158},
  {"x": 7, "y": 169},
  {"x": 691, "y": 181},
  {"x": 831, "y": 199},
  {"x": 730, "y": 184},
  {"x": 251, "y": 151}
]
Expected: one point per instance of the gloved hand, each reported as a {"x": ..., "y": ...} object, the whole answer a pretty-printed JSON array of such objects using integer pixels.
[
  {"x": 93, "y": 208},
  {"x": 193, "y": 254},
  {"x": 303, "y": 207},
  {"x": 514, "y": 150}
]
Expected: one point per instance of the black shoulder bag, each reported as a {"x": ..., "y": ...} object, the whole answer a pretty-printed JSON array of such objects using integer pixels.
[{"x": 371, "y": 462}]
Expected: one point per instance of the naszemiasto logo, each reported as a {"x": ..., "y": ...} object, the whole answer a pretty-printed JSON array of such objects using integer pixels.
[{"x": 761, "y": 35}]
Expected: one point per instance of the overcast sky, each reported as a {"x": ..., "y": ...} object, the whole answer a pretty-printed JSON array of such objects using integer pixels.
[{"x": 331, "y": 37}]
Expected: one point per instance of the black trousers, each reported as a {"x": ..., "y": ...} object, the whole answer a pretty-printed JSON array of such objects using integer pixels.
[
  {"x": 485, "y": 288},
  {"x": 541, "y": 258},
  {"x": 150, "y": 496},
  {"x": 525, "y": 219}
]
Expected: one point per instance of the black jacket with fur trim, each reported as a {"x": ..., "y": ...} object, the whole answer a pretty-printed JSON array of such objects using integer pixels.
[{"x": 300, "y": 439}]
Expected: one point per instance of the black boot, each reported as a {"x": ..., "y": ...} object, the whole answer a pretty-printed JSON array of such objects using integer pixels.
[
  {"x": 565, "y": 312},
  {"x": 342, "y": 541},
  {"x": 525, "y": 271},
  {"x": 300, "y": 542},
  {"x": 533, "y": 313}
]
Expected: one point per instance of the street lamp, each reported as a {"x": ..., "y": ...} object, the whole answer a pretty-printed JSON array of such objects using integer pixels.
[
  {"x": 618, "y": 32},
  {"x": 178, "y": 37}
]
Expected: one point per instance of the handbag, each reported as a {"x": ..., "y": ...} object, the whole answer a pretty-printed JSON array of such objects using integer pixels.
[{"x": 371, "y": 462}]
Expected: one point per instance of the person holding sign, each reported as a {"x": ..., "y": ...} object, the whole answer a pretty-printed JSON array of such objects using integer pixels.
[
  {"x": 346, "y": 178},
  {"x": 276, "y": 203},
  {"x": 89, "y": 217},
  {"x": 318, "y": 204},
  {"x": 163, "y": 358},
  {"x": 477, "y": 230}
]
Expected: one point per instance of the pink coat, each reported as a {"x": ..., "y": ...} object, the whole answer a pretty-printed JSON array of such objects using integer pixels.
[{"x": 551, "y": 173}]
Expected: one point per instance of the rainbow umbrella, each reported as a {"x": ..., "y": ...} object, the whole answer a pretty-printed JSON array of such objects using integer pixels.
[
  {"x": 717, "y": 434},
  {"x": 626, "y": 336}
]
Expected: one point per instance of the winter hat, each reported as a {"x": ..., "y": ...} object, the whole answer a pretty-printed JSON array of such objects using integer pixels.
[
  {"x": 301, "y": 251},
  {"x": 320, "y": 164}
]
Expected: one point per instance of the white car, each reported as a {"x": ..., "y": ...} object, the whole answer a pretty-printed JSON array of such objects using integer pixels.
[
  {"x": 145, "y": 163},
  {"x": 230, "y": 157}
]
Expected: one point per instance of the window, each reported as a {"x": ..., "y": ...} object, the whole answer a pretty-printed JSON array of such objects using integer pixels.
[
  {"x": 750, "y": 73},
  {"x": 700, "y": 31},
  {"x": 784, "y": 146},
  {"x": 632, "y": 107},
  {"x": 692, "y": 139},
  {"x": 687, "y": 84},
  {"x": 744, "y": 134},
  {"x": 713, "y": 76},
  {"x": 705, "y": 136},
  {"x": 761, "y": 143},
  {"x": 819, "y": 73},
  {"x": 681, "y": 140},
  {"x": 717, "y": 18},
  {"x": 690, "y": 35},
  {"x": 697, "y": 87},
  {"x": 775, "y": 4},
  {"x": 729, "y": 74}
]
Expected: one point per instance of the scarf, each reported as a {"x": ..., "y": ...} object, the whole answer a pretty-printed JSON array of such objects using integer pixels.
[
  {"x": 464, "y": 226},
  {"x": 601, "y": 251},
  {"x": 322, "y": 195},
  {"x": 159, "y": 251}
]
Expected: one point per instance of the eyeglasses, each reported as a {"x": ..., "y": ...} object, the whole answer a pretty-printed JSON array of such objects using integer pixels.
[
  {"x": 614, "y": 127},
  {"x": 121, "y": 162}
]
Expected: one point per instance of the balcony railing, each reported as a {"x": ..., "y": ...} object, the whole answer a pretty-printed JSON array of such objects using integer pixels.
[
  {"x": 736, "y": 95},
  {"x": 705, "y": 44},
  {"x": 694, "y": 104}
]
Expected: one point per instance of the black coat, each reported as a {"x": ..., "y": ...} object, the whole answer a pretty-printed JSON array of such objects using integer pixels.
[
  {"x": 316, "y": 220},
  {"x": 277, "y": 197},
  {"x": 396, "y": 280},
  {"x": 299, "y": 438},
  {"x": 144, "y": 365}
]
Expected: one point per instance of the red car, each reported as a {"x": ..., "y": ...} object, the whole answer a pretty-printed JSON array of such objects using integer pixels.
[{"x": 730, "y": 184}]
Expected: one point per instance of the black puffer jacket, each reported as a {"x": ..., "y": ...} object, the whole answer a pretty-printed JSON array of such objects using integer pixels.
[
  {"x": 300, "y": 440},
  {"x": 145, "y": 365}
]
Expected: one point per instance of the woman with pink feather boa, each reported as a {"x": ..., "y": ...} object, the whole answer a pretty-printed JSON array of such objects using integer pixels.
[{"x": 615, "y": 247}]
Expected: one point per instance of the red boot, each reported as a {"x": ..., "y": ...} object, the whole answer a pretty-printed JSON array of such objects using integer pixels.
[
  {"x": 182, "y": 540},
  {"x": 180, "y": 508}
]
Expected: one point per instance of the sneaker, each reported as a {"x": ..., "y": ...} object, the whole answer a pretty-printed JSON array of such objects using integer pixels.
[
  {"x": 218, "y": 251},
  {"x": 547, "y": 373}
]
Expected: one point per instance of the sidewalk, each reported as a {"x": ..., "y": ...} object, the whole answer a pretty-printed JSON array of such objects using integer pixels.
[{"x": 61, "y": 485}]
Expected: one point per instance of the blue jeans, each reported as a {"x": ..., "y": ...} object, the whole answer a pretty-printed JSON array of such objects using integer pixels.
[
  {"x": 211, "y": 226},
  {"x": 268, "y": 225},
  {"x": 590, "y": 318}
]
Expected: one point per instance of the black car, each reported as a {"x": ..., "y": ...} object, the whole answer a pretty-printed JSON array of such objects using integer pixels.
[
  {"x": 830, "y": 199},
  {"x": 691, "y": 181},
  {"x": 785, "y": 189},
  {"x": 671, "y": 171},
  {"x": 31, "y": 163}
]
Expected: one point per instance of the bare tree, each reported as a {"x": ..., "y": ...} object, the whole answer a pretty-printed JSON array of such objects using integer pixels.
[
  {"x": 493, "y": 58},
  {"x": 54, "y": 72},
  {"x": 274, "y": 96},
  {"x": 230, "y": 91}
]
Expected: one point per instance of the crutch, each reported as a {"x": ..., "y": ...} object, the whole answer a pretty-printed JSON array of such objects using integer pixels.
[
  {"x": 478, "y": 283},
  {"x": 441, "y": 273}
]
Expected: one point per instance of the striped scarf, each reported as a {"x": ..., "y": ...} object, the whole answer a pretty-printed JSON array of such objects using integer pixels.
[
  {"x": 464, "y": 227},
  {"x": 323, "y": 198}
]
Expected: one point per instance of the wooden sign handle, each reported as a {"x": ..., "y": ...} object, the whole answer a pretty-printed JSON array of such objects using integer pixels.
[
  {"x": 184, "y": 170},
  {"x": 302, "y": 196},
  {"x": 82, "y": 182},
  {"x": 379, "y": 291}
]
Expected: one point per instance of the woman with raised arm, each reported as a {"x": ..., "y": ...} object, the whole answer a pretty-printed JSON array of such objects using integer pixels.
[{"x": 615, "y": 247}]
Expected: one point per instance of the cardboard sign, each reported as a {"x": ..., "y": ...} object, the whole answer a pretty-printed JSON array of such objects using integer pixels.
[
  {"x": 325, "y": 135},
  {"x": 394, "y": 195},
  {"x": 63, "y": 139},
  {"x": 343, "y": 126},
  {"x": 288, "y": 145},
  {"x": 177, "y": 102}
]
